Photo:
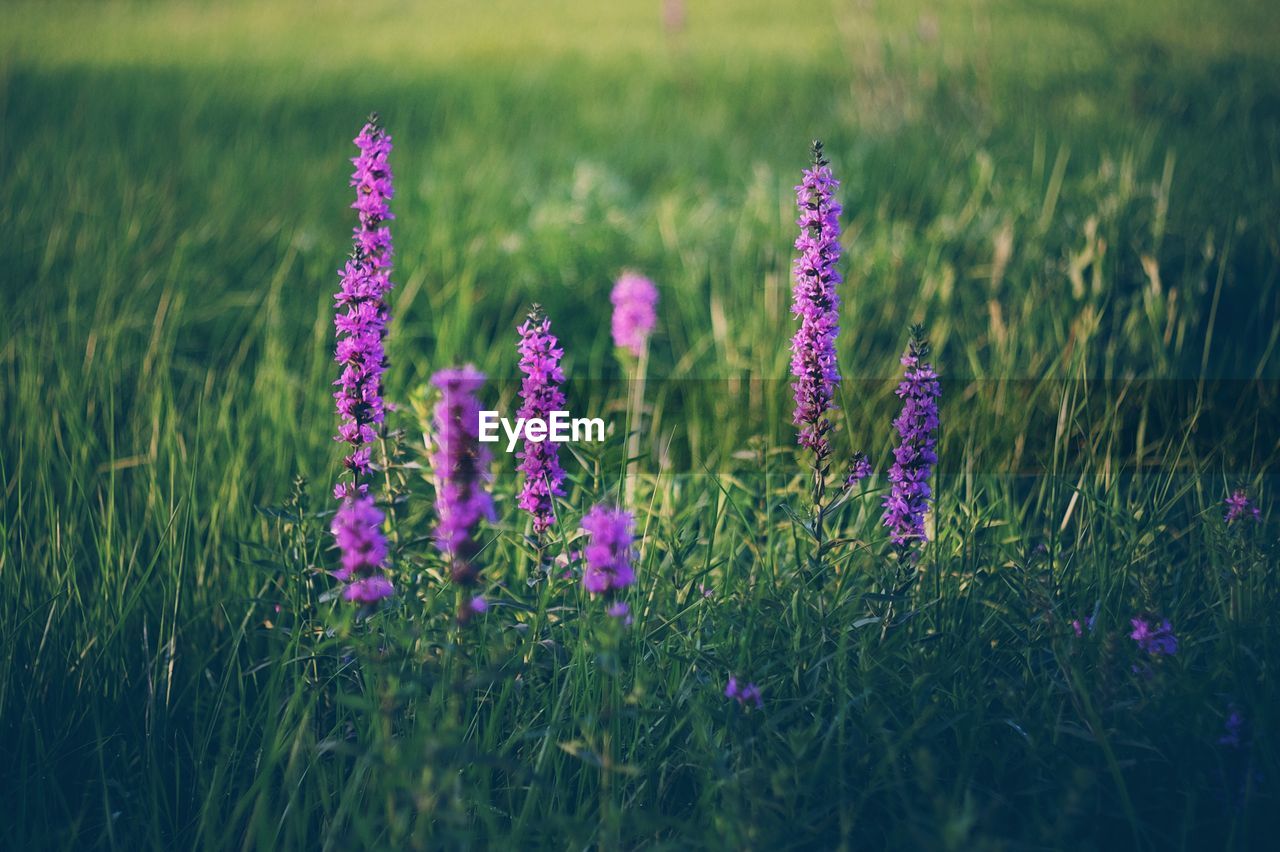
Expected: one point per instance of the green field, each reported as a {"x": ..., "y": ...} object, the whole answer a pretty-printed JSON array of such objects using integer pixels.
[{"x": 1079, "y": 200}]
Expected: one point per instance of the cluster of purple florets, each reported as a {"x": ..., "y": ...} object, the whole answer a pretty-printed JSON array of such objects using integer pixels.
[
  {"x": 357, "y": 529},
  {"x": 916, "y": 454},
  {"x": 461, "y": 465},
  {"x": 745, "y": 694},
  {"x": 608, "y": 553},
  {"x": 361, "y": 311},
  {"x": 360, "y": 319},
  {"x": 635, "y": 302},
  {"x": 814, "y": 369},
  {"x": 1240, "y": 506},
  {"x": 859, "y": 469},
  {"x": 540, "y": 395},
  {"x": 1155, "y": 639}
]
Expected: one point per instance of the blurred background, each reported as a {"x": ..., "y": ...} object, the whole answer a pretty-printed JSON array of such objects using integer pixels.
[{"x": 1021, "y": 176}]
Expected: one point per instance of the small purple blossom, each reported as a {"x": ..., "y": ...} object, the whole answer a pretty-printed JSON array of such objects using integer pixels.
[
  {"x": 814, "y": 300},
  {"x": 859, "y": 469},
  {"x": 360, "y": 310},
  {"x": 540, "y": 395},
  {"x": 369, "y": 590},
  {"x": 1233, "y": 728},
  {"x": 620, "y": 611},
  {"x": 1080, "y": 625},
  {"x": 471, "y": 608},
  {"x": 1154, "y": 640},
  {"x": 357, "y": 530},
  {"x": 635, "y": 301},
  {"x": 1240, "y": 506},
  {"x": 609, "y": 552},
  {"x": 744, "y": 694},
  {"x": 460, "y": 463},
  {"x": 914, "y": 457}
]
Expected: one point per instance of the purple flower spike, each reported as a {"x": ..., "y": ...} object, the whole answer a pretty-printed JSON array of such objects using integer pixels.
[
  {"x": 609, "y": 553},
  {"x": 1155, "y": 640},
  {"x": 916, "y": 454},
  {"x": 360, "y": 315},
  {"x": 357, "y": 529},
  {"x": 372, "y": 180},
  {"x": 461, "y": 464},
  {"x": 540, "y": 395},
  {"x": 635, "y": 302},
  {"x": 744, "y": 695},
  {"x": 814, "y": 300},
  {"x": 1239, "y": 506}
]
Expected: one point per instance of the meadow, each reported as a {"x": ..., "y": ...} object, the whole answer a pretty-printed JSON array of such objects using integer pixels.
[{"x": 1080, "y": 203}]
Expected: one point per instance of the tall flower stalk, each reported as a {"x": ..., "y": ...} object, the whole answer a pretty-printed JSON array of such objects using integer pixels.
[
  {"x": 361, "y": 311},
  {"x": 907, "y": 503},
  {"x": 815, "y": 302},
  {"x": 814, "y": 369},
  {"x": 461, "y": 467},
  {"x": 635, "y": 302},
  {"x": 540, "y": 395},
  {"x": 360, "y": 320}
]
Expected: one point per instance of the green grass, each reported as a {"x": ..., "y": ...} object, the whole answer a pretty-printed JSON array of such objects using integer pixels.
[{"x": 1079, "y": 199}]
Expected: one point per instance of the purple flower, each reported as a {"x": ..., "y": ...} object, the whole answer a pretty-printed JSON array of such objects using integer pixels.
[
  {"x": 360, "y": 310},
  {"x": 471, "y": 608},
  {"x": 744, "y": 695},
  {"x": 1080, "y": 625},
  {"x": 1233, "y": 727},
  {"x": 1155, "y": 640},
  {"x": 916, "y": 454},
  {"x": 460, "y": 463},
  {"x": 372, "y": 180},
  {"x": 609, "y": 552},
  {"x": 814, "y": 300},
  {"x": 369, "y": 590},
  {"x": 620, "y": 611},
  {"x": 540, "y": 395},
  {"x": 859, "y": 469},
  {"x": 357, "y": 529},
  {"x": 1239, "y": 506},
  {"x": 635, "y": 299}
]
